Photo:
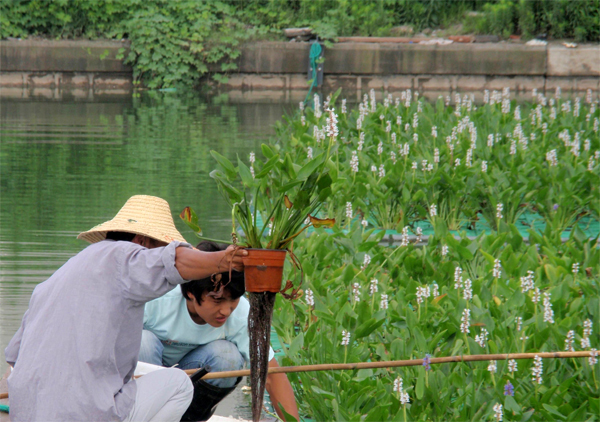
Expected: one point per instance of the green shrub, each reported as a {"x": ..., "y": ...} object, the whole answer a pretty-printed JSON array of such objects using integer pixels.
[
  {"x": 500, "y": 17},
  {"x": 61, "y": 18},
  {"x": 12, "y": 21},
  {"x": 176, "y": 42},
  {"x": 527, "y": 18},
  {"x": 579, "y": 20}
]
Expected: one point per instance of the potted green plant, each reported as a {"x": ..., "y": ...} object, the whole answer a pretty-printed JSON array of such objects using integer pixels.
[
  {"x": 259, "y": 196},
  {"x": 273, "y": 201}
]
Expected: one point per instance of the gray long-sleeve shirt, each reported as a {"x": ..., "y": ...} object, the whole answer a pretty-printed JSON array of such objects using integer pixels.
[{"x": 77, "y": 347}]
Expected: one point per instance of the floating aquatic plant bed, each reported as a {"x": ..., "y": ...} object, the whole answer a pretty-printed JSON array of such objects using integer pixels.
[{"x": 441, "y": 169}]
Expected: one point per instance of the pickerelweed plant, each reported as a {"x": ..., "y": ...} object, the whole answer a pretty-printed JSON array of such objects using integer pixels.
[
  {"x": 279, "y": 198},
  {"x": 494, "y": 186},
  {"x": 416, "y": 310},
  {"x": 274, "y": 200},
  {"x": 483, "y": 166}
]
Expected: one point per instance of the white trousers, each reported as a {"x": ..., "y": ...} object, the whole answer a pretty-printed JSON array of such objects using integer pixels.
[{"x": 162, "y": 396}]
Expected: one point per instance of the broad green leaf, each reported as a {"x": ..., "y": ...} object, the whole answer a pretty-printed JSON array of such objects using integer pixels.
[
  {"x": 245, "y": 174},
  {"x": 225, "y": 164},
  {"x": 578, "y": 414},
  {"x": 420, "y": 388},
  {"x": 489, "y": 258},
  {"x": 307, "y": 139},
  {"x": 267, "y": 167},
  {"x": 554, "y": 411},
  {"x": 287, "y": 417},
  {"x": 433, "y": 343},
  {"x": 288, "y": 165},
  {"x": 511, "y": 405},
  {"x": 578, "y": 234},
  {"x": 440, "y": 228},
  {"x": 322, "y": 392},
  {"x": 349, "y": 274},
  {"x": 551, "y": 273},
  {"x": 457, "y": 346},
  {"x": 362, "y": 374},
  {"x": 310, "y": 167},
  {"x": 267, "y": 151},
  {"x": 368, "y": 327},
  {"x": 456, "y": 246},
  {"x": 233, "y": 194},
  {"x": 548, "y": 394},
  {"x": 326, "y": 316},
  {"x": 296, "y": 344},
  {"x": 287, "y": 187},
  {"x": 333, "y": 171}
]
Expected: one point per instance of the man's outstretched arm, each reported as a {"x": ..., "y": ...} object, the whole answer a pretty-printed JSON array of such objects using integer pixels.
[
  {"x": 193, "y": 264},
  {"x": 281, "y": 392}
]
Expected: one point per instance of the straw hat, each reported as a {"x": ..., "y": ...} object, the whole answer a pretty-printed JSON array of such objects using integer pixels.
[{"x": 146, "y": 215}]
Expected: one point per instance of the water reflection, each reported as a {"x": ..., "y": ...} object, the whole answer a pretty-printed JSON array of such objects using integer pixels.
[{"x": 68, "y": 165}]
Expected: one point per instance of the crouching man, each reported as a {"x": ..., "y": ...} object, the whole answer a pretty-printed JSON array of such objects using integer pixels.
[
  {"x": 76, "y": 350},
  {"x": 195, "y": 326}
]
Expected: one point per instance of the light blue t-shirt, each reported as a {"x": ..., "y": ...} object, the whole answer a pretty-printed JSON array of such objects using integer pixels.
[{"x": 168, "y": 318}]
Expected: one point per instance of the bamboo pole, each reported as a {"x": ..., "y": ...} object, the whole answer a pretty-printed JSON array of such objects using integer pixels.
[
  {"x": 395, "y": 363},
  {"x": 388, "y": 364}
]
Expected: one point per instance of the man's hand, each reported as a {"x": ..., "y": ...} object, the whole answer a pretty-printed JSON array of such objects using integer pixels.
[
  {"x": 233, "y": 255},
  {"x": 193, "y": 264}
]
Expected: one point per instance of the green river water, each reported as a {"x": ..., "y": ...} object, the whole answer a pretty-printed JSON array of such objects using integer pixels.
[{"x": 68, "y": 165}]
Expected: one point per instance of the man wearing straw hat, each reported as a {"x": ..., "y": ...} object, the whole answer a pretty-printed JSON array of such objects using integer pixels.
[{"x": 76, "y": 350}]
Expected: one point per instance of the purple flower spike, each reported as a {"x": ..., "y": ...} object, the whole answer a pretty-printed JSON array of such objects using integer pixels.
[
  {"x": 555, "y": 207},
  {"x": 427, "y": 362},
  {"x": 509, "y": 389}
]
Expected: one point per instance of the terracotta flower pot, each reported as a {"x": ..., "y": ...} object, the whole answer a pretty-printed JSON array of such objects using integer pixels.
[{"x": 263, "y": 270}]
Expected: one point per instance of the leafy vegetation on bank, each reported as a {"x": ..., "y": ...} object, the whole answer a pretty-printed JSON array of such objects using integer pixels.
[
  {"x": 444, "y": 169},
  {"x": 178, "y": 42}
]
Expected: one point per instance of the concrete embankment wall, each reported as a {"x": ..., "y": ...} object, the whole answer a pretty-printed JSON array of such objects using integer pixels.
[{"x": 93, "y": 65}]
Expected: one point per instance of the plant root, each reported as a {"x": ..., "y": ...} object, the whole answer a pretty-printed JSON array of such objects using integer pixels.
[{"x": 259, "y": 329}]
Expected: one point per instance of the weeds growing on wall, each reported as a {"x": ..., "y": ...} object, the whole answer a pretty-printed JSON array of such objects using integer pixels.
[{"x": 178, "y": 42}]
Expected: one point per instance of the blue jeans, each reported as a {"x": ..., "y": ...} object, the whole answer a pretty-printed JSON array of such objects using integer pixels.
[{"x": 220, "y": 355}]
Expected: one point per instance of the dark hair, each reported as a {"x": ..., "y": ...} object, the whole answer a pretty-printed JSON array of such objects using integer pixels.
[
  {"x": 198, "y": 288},
  {"x": 120, "y": 236}
]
